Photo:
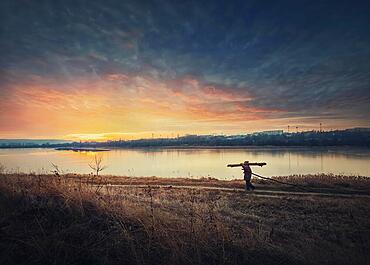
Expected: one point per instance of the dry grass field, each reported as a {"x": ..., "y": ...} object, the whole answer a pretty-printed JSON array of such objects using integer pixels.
[{"x": 82, "y": 219}]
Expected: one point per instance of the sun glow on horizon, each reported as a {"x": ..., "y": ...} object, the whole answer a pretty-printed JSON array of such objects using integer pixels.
[
  {"x": 119, "y": 103},
  {"x": 119, "y": 106}
]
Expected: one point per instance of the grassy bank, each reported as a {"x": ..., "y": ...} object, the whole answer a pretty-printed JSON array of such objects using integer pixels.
[
  {"x": 79, "y": 219},
  {"x": 337, "y": 183}
]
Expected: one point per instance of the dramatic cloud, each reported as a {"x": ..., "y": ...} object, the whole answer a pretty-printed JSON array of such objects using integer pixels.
[{"x": 76, "y": 67}]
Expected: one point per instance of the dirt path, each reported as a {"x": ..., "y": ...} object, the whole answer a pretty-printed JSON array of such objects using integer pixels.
[{"x": 258, "y": 192}]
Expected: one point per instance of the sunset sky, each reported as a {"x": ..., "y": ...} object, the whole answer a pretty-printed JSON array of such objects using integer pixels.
[{"x": 128, "y": 69}]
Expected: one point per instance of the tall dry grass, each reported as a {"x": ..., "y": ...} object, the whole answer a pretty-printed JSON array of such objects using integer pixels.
[
  {"x": 66, "y": 219},
  {"x": 337, "y": 183}
]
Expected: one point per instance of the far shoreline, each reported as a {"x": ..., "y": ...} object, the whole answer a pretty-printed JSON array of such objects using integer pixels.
[{"x": 108, "y": 148}]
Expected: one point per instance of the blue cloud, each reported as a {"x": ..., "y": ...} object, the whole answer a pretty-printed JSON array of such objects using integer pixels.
[{"x": 306, "y": 58}]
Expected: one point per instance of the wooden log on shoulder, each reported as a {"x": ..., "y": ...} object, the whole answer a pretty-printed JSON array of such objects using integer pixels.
[
  {"x": 235, "y": 165},
  {"x": 258, "y": 164},
  {"x": 250, "y": 164}
]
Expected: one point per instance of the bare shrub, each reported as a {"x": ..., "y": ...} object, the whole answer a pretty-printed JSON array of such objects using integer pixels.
[{"x": 97, "y": 165}]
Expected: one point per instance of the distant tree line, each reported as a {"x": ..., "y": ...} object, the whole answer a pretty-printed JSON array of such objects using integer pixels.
[{"x": 349, "y": 137}]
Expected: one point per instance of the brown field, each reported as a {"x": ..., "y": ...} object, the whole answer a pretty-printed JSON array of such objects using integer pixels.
[{"x": 82, "y": 219}]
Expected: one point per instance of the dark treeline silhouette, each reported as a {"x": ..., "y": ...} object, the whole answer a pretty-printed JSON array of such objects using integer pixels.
[{"x": 349, "y": 137}]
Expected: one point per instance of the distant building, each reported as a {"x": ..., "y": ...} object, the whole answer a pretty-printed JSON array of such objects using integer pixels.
[
  {"x": 235, "y": 137},
  {"x": 273, "y": 132}
]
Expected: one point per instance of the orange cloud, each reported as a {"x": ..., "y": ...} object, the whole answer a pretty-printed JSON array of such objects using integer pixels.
[{"x": 122, "y": 103}]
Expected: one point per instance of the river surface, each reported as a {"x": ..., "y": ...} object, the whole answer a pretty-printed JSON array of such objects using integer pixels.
[{"x": 210, "y": 162}]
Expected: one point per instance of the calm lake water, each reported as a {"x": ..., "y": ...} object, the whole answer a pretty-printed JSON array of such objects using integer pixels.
[{"x": 193, "y": 162}]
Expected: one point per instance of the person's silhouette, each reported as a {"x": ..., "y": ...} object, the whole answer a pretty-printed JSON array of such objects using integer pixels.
[{"x": 247, "y": 176}]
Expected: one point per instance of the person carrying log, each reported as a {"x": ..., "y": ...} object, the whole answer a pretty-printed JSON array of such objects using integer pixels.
[{"x": 247, "y": 172}]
